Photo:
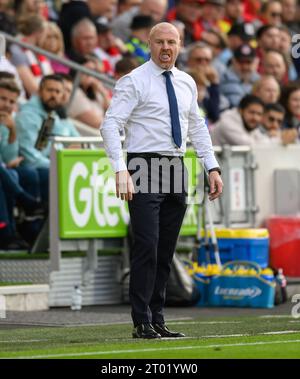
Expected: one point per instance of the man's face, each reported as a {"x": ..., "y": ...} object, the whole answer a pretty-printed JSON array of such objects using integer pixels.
[
  {"x": 244, "y": 67},
  {"x": 234, "y": 9},
  {"x": 274, "y": 65},
  {"x": 106, "y": 40},
  {"x": 164, "y": 45},
  {"x": 289, "y": 9},
  {"x": 51, "y": 94},
  {"x": 188, "y": 11},
  {"x": 273, "y": 14},
  {"x": 269, "y": 91},
  {"x": 8, "y": 100},
  {"x": 154, "y": 8},
  {"x": 200, "y": 57},
  {"x": 252, "y": 116},
  {"x": 270, "y": 39},
  {"x": 273, "y": 120},
  {"x": 86, "y": 41},
  {"x": 212, "y": 12},
  {"x": 212, "y": 41}
]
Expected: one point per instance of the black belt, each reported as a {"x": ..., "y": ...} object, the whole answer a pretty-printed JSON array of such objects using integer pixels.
[{"x": 152, "y": 155}]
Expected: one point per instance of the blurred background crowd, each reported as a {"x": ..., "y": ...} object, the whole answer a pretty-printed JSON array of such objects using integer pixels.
[{"x": 244, "y": 56}]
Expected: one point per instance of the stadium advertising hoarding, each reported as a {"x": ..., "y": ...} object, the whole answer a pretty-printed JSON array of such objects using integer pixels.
[{"x": 88, "y": 207}]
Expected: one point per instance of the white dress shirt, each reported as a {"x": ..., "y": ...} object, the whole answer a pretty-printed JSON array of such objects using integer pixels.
[{"x": 140, "y": 105}]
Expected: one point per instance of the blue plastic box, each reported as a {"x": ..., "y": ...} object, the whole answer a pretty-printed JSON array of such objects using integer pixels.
[
  {"x": 239, "y": 244},
  {"x": 241, "y": 292}
]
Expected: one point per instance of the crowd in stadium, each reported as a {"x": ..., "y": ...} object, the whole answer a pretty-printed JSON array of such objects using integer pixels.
[{"x": 244, "y": 56}]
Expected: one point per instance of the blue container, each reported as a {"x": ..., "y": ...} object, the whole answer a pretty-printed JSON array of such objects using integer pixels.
[
  {"x": 239, "y": 291},
  {"x": 251, "y": 245},
  {"x": 202, "y": 283}
]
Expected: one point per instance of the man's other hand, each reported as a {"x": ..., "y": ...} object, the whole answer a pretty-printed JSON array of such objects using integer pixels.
[
  {"x": 124, "y": 185},
  {"x": 215, "y": 185}
]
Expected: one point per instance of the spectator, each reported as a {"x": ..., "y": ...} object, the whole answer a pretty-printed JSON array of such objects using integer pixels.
[
  {"x": 272, "y": 122},
  {"x": 240, "y": 126},
  {"x": 17, "y": 183},
  {"x": 83, "y": 40},
  {"x": 54, "y": 43},
  {"x": 271, "y": 13},
  {"x": 154, "y": 8},
  {"x": 290, "y": 99},
  {"x": 137, "y": 45},
  {"x": 268, "y": 38},
  {"x": 31, "y": 67},
  {"x": 208, "y": 96},
  {"x": 31, "y": 117},
  {"x": 234, "y": 11},
  {"x": 5, "y": 6},
  {"x": 267, "y": 89},
  {"x": 238, "y": 35},
  {"x": 91, "y": 99},
  {"x": 274, "y": 63},
  {"x": 75, "y": 10},
  {"x": 67, "y": 126},
  {"x": 289, "y": 15},
  {"x": 25, "y": 8},
  {"x": 217, "y": 43},
  {"x": 285, "y": 47},
  {"x": 109, "y": 48},
  {"x": 200, "y": 58},
  {"x": 125, "y": 66},
  {"x": 212, "y": 13},
  {"x": 240, "y": 76}
]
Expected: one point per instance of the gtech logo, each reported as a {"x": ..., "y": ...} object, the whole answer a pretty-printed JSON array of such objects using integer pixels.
[{"x": 88, "y": 201}]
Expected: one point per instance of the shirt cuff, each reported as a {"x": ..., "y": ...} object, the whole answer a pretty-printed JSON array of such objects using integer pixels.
[{"x": 119, "y": 165}]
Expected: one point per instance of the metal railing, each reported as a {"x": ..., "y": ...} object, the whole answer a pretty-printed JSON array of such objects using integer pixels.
[{"x": 108, "y": 82}]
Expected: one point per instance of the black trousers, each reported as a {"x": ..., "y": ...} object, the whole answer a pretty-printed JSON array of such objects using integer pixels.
[{"x": 156, "y": 219}]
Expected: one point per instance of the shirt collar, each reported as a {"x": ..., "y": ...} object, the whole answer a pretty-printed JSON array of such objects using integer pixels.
[{"x": 158, "y": 70}]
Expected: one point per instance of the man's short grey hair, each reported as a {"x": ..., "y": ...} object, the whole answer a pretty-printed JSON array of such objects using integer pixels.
[
  {"x": 197, "y": 45},
  {"x": 83, "y": 24}
]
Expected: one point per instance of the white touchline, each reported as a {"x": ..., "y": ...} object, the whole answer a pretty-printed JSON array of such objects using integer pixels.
[
  {"x": 203, "y": 322},
  {"x": 23, "y": 341},
  {"x": 115, "y": 352}
]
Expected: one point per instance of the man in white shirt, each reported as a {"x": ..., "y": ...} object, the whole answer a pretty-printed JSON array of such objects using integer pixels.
[{"x": 145, "y": 104}]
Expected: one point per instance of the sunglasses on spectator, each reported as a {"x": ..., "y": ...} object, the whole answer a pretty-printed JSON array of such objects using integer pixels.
[
  {"x": 279, "y": 121},
  {"x": 275, "y": 14}
]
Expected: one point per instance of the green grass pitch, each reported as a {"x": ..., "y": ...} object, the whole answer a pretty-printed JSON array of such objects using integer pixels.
[{"x": 241, "y": 337}]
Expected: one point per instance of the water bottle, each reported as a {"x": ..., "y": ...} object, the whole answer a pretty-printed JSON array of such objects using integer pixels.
[
  {"x": 76, "y": 299},
  {"x": 282, "y": 284}
]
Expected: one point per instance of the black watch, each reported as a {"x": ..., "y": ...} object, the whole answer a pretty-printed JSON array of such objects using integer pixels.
[{"x": 215, "y": 169}]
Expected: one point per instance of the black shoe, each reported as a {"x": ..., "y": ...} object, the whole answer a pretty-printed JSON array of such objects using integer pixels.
[
  {"x": 164, "y": 331},
  {"x": 145, "y": 331}
]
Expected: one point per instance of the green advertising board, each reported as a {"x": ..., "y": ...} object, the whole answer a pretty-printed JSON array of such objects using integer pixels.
[{"x": 88, "y": 206}]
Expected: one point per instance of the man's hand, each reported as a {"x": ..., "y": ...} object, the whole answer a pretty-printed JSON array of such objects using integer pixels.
[
  {"x": 7, "y": 120},
  {"x": 124, "y": 185},
  {"x": 289, "y": 136},
  {"x": 15, "y": 162},
  {"x": 211, "y": 74},
  {"x": 215, "y": 185}
]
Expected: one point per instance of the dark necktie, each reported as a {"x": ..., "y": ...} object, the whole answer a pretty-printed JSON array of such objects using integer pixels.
[{"x": 176, "y": 130}]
